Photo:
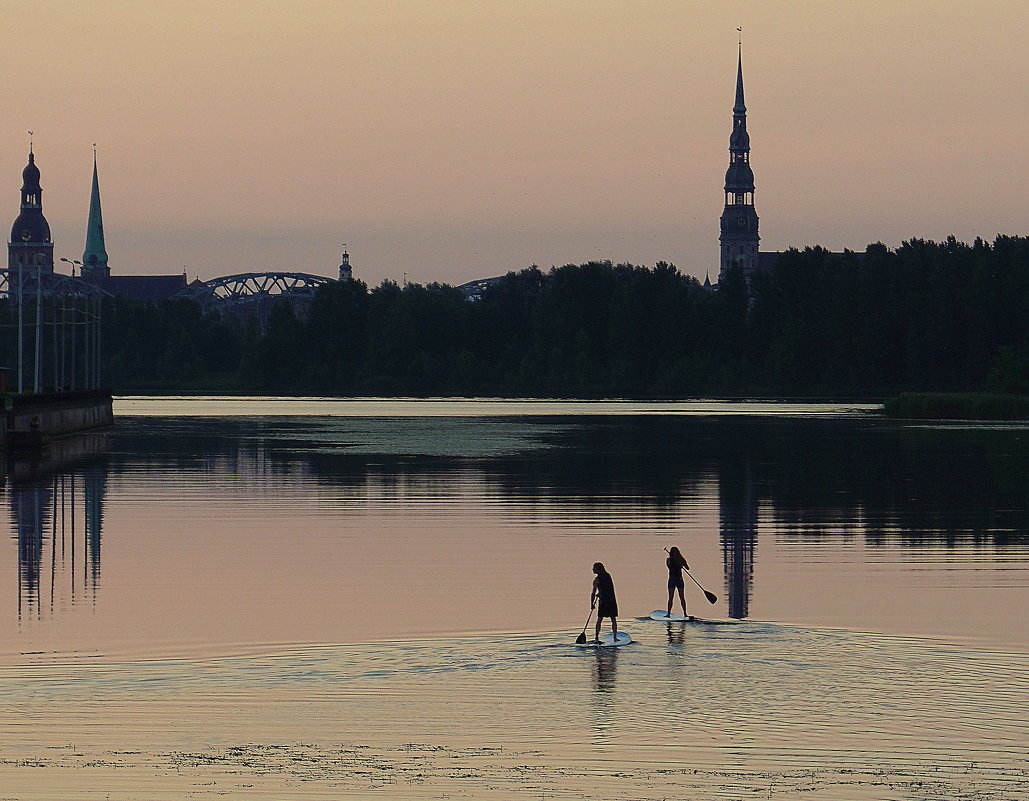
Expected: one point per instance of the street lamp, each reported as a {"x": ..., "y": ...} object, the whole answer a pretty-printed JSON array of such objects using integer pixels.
[
  {"x": 73, "y": 350},
  {"x": 72, "y": 262}
]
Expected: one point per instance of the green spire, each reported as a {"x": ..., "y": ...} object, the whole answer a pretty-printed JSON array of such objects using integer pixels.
[{"x": 94, "y": 257}]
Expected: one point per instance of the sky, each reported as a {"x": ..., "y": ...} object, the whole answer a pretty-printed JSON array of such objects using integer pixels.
[{"x": 452, "y": 140}]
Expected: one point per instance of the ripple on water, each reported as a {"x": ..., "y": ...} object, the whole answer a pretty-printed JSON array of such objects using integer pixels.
[{"x": 713, "y": 708}]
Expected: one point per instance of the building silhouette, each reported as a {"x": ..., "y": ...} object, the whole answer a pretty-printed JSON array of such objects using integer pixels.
[
  {"x": 96, "y": 270},
  {"x": 739, "y": 235},
  {"x": 346, "y": 272},
  {"x": 30, "y": 246}
]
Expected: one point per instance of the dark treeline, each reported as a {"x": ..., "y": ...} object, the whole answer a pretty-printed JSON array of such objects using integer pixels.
[{"x": 927, "y": 316}]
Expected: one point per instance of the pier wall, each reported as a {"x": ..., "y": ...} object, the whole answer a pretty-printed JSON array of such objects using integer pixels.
[{"x": 57, "y": 413}]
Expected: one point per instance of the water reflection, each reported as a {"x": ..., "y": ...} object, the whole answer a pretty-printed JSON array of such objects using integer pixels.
[
  {"x": 815, "y": 476},
  {"x": 676, "y": 632},
  {"x": 605, "y": 710},
  {"x": 605, "y": 669},
  {"x": 56, "y": 503},
  {"x": 737, "y": 520},
  {"x": 885, "y": 485}
]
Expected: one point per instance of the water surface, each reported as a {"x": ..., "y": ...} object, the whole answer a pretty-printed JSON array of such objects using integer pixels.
[{"x": 308, "y": 598}]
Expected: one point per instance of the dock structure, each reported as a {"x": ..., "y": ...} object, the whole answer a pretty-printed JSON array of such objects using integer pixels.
[{"x": 53, "y": 386}]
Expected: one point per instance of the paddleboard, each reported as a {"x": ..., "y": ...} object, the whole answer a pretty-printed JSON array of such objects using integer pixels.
[
  {"x": 608, "y": 641},
  {"x": 660, "y": 614}
]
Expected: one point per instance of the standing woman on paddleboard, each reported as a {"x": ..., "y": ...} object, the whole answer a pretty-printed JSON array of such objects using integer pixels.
[
  {"x": 603, "y": 599},
  {"x": 676, "y": 564}
]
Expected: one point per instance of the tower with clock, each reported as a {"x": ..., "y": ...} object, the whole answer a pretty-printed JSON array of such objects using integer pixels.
[
  {"x": 30, "y": 246},
  {"x": 739, "y": 238}
]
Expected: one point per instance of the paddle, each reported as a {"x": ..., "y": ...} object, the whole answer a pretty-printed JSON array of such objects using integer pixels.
[
  {"x": 711, "y": 597},
  {"x": 582, "y": 637}
]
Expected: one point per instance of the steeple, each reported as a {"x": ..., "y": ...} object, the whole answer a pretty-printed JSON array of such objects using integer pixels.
[
  {"x": 739, "y": 238},
  {"x": 30, "y": 247},
  {"x": 94, "y": 257},
  {"x": 346, "y": 272},
  {"x": 740, "y": 107}
]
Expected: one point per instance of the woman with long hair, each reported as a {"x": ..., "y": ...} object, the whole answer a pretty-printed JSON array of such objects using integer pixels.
[{"x": 676, "y": 563}]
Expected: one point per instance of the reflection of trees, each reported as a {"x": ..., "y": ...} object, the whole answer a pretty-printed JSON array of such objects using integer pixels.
[
  {"x": 860, "y": 477},
  {"x": 815, "y": 476}
]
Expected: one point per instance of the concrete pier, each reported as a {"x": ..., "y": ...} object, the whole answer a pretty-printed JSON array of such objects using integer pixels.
[{"x": 30, "y": 420}]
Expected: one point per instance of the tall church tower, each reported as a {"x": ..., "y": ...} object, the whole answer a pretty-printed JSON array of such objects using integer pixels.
[
  {"x": 739, "y": 237},
  {"x": 30, "y": 246},
  {"x": 94, "y": 257}
]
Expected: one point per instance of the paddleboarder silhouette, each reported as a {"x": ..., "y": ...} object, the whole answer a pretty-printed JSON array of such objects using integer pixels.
[
  {"x": 602, "y": 598},
  {"x": 676, "y": 563}
]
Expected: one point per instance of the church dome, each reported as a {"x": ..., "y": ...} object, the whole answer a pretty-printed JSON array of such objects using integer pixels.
[
  {"x": 30, "y": 229},
  {"x": 739, "y": 177},
  {"x": 739, "y": 139}
]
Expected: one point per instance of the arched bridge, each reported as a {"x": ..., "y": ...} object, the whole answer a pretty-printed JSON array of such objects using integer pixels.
[
  {"x": 48, "y": 284},
  {"x": 251, "y": 290}
]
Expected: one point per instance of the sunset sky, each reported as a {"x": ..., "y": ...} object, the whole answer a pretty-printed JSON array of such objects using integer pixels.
[{"x": 454, "y": 140}]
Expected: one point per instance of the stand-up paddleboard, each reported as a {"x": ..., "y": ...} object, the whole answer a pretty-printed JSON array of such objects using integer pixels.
[
  {"x": 608, "y": 641},
  {"x": 661, "y": 614}
]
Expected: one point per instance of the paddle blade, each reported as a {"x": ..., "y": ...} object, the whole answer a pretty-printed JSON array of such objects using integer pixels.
[
  {"x": 711, "y": 597},
  {"x": 580, "y": 639}
]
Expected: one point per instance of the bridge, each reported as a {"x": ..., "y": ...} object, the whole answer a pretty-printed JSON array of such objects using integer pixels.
[
  {"x": 253, "y": 293},
  {"x": 48, "y": 285}
]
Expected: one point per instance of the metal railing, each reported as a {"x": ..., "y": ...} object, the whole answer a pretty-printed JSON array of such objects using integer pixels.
[{"x": 61, "y": 315}]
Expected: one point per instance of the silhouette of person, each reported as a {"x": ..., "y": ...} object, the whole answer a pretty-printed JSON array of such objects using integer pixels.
[
  {"x": 602, "y": 598},
  {"x": 676, "y": 564}
]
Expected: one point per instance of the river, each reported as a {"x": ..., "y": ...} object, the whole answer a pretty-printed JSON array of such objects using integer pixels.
[{"x": 277, "y": 598}]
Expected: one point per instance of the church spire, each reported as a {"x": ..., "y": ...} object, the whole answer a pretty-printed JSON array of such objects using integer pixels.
[
  {"x": 94, "y": 257},
  {"x": 30, "y": 246},
  {"x": 739, "y": 237},
  {"x": 740, "y": 107}
]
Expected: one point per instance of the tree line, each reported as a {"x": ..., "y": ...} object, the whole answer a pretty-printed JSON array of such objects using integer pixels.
[{"x": 926, "y": 316}]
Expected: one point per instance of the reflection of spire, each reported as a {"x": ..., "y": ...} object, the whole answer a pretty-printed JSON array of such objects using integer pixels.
[
  {"x": 29, "y": 504},
  {"x": 95, "y": 484},
  {"x": 62, "y": 512},
  {"x": 738, "y": 534}
]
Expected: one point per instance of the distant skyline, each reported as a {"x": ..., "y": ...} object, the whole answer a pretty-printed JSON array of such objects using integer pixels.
[{"x": 458, "y": 140}]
